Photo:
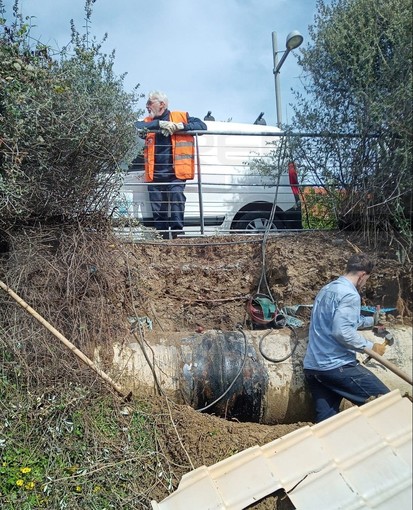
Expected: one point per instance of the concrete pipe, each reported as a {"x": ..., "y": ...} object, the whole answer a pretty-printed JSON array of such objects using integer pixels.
[{"x": 229, "y": 373}]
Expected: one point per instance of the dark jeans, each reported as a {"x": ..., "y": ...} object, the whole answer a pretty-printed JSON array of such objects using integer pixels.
[
  {"x": 168, "y": 205},
  {"x": 353, "y": 381}
]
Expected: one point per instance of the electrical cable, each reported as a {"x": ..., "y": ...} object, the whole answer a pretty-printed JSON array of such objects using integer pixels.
[
  {"x": 282, "y": 158},
  {"x": 235, "y": 378},
  {"x": 141, "y": 342},
  {"x": 268, "y": 358}
]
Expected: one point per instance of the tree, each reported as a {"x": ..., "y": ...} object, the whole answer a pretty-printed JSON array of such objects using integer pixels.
[
  {"x": 66, "y": 126},
  {"x": 359, "y": 84}
]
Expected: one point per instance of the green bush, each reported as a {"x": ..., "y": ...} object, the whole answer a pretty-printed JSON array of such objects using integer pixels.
[
  {"x": 66, "y": 125},
  {"x": 358, "y": 101}
]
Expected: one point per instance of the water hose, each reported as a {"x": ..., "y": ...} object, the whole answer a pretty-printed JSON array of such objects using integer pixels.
[{"x": 273, "y": 360}]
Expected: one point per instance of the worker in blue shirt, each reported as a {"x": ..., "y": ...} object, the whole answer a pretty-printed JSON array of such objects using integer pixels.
[{"x": 331, "y": 369}]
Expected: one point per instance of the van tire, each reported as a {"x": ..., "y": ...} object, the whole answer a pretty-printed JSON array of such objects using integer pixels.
[{"x": 257, "y": 221}]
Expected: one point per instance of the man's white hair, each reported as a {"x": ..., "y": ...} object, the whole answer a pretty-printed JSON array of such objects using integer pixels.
[{"x": 156, "y": 95}]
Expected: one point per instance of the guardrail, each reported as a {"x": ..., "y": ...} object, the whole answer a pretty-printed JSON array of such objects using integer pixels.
[{"x": 243, "y": 184}]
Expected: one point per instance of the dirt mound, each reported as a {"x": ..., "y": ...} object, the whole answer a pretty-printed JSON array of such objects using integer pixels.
[
  {"x": 193, "y": 284},
  {"x": 196, "y": 439}
]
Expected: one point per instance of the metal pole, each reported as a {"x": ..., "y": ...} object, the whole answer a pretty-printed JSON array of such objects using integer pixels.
[
  {"x": 276, "y": 71},
  {"x": 276, "y": 78},
  {"x": 200, "y": 198}
]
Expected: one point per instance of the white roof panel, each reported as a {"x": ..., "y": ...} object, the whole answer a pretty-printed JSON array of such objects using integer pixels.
[{"x": 359, "y": 459}]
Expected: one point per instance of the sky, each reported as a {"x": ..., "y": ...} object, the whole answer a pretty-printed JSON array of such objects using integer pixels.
[{"x": 204, "y": 54}]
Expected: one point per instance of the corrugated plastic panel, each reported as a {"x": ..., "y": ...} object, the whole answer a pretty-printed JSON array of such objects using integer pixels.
[{"x": 358, "y": 459}]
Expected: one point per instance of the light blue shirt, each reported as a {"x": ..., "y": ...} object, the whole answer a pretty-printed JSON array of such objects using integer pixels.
[{"x": 333, "y": 337}]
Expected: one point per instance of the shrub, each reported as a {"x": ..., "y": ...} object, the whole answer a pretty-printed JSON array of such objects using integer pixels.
[{"x": 67, "y": 124}]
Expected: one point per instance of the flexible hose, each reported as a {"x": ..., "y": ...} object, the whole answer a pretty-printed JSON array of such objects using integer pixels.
[
  {"x": 282, "y": 156},
  {"x": 235, "y": 378},
  {"x": 268, "y": 358}
]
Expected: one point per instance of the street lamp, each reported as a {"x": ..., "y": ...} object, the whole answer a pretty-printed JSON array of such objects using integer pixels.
[{"x": 294, "y": 39}]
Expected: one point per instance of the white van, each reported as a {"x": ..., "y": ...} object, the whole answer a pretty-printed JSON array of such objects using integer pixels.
[{"x": 231, "y": 191}]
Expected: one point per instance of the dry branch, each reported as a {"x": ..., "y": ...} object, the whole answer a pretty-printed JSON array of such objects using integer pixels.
[{"x": 63, "y": 339}]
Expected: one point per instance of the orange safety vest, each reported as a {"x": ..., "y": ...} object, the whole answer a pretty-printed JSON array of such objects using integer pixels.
[{"x": 183, "y": 151}]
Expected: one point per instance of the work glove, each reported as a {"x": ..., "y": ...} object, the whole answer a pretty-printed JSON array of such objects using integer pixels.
[
  {"x": 169, "y": 128},
  {"x": 379, "y": 348}
]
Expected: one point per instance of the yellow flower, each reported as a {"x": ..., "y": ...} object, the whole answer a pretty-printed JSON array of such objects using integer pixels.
[
  {"x": 25, "y": 470},
  {"x": 78, "y": 488},
  {"x": 19, "y": 482},
  {"x": 29, "y": 486},
  {"x": 97, "y": 489}
]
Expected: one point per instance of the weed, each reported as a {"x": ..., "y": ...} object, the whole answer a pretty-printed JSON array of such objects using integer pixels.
[{"x": 61, "y": 451}]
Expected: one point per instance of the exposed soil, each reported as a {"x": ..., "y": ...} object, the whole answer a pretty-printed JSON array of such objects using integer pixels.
[
  {"x": 202, "y": 440},
  {"x": 191, "y": 285}
]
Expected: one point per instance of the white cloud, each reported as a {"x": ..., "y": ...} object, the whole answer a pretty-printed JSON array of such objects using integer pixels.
[{"x": 205, "y": 54}]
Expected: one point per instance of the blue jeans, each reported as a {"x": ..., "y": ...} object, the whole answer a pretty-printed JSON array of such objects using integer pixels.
[
  {"x": 353, "y": 381},
  {"x": 168, "y": 205}
]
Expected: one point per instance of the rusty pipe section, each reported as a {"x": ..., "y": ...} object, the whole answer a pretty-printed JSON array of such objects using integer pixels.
[
  {"x": 224, "y": 372},
  {"x": 221, "y": 374}
]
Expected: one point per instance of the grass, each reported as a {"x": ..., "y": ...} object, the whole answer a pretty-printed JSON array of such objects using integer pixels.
[{"x": 70, "y": 448}]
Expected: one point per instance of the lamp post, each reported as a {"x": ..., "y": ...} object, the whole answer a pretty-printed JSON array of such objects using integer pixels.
[{"x": 294, "y": 39}]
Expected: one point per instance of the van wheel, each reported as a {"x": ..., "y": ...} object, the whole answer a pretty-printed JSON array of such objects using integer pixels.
[{"x": 257, "y": 221}]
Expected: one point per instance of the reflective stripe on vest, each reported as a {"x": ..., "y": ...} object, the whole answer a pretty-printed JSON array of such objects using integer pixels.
[{"x": 183, "y": 151}]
